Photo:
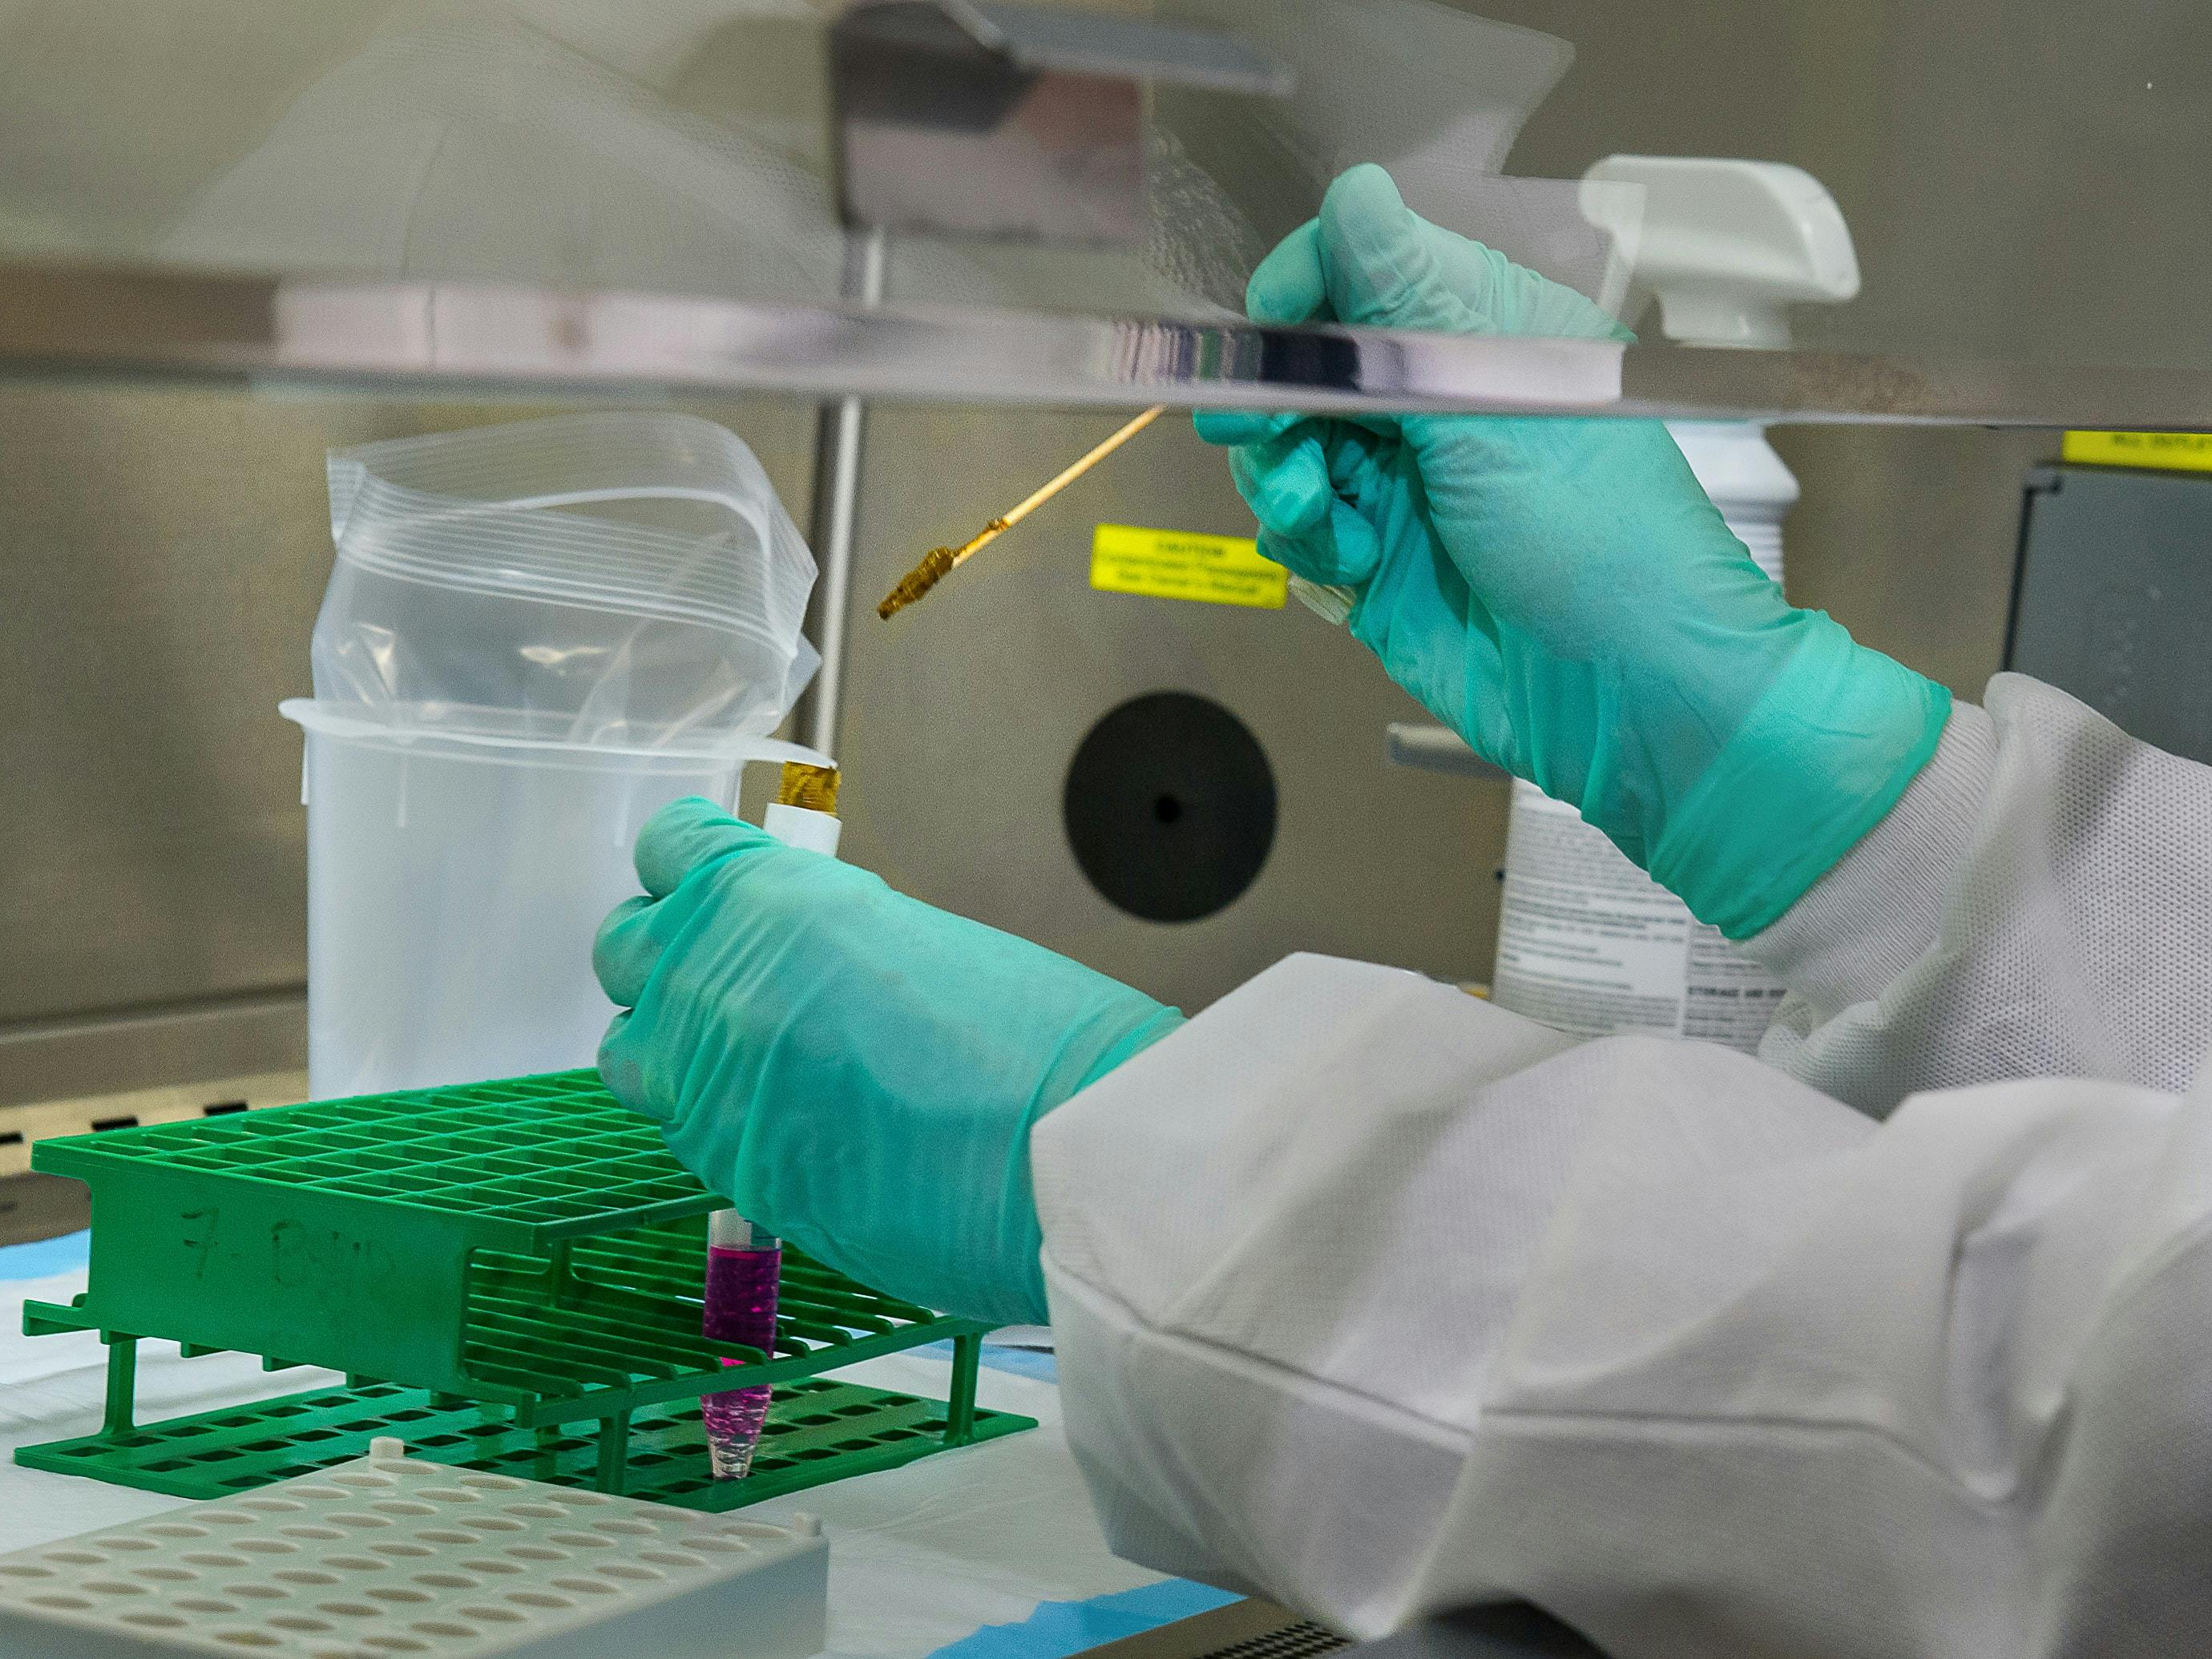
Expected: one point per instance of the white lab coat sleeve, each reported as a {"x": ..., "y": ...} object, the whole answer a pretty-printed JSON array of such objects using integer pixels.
[
  {"x": 1383, "y": 1300},
  {"x": 2039, "y": 903}
]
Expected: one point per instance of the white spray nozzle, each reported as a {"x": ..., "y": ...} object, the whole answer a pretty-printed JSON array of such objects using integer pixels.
[{"x": 1727, "y": 245}]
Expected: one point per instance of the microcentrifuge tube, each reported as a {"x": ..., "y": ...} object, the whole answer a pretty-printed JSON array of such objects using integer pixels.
[{"x": 743, "y": 1265}]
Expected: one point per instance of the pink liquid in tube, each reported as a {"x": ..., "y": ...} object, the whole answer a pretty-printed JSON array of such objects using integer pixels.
[{"x": 743, "y": 1265}]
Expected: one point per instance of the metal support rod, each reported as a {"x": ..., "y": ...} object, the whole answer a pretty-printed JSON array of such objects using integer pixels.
[
  {"x": 960, "y": 1404},
  {"x": 837, "y": 497},
  {"x": 122, "y": 1384}
]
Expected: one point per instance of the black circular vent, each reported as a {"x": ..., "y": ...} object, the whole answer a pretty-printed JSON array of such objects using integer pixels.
[{"x": 1171, "y": 806}]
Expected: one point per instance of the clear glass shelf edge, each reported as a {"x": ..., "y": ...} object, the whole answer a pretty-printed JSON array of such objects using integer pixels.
[{"x": 446, "y": 337}]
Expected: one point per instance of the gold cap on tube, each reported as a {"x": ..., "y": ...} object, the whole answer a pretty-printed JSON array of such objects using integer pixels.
[{"x": 814, "y": 787}]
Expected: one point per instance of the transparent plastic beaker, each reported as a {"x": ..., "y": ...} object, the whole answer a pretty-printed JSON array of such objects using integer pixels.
[
  {"x": 453, "y": 888},
  {"x": 534, "y": 636}
]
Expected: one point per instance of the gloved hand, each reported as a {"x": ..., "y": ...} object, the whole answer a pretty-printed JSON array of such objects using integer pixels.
[
  {"x": 855, "y": 1070},
  {"x": 1560, "y": 593}
]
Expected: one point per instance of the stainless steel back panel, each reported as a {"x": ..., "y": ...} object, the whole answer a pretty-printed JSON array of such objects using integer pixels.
[
  {"x": 961, "y": 714},
  {"x": 163, "y": 552}
]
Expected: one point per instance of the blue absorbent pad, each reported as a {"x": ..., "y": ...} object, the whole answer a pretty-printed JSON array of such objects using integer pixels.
[
  {"x": 1057, "y": 1629},
  {"x": 1015, "y": 1362},
  {"x": 45, "y": 1257}
]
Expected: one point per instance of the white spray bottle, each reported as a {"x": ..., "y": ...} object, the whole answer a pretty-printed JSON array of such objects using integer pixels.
[{"x": 1586, "y": 941}]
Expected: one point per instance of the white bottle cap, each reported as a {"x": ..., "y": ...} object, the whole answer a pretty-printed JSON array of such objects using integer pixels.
[
  {"x": 1727, "y": 245},
  {"x": 728, "y": 1230}
]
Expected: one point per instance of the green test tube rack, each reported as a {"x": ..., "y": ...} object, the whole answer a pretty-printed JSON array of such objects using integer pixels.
[{"x": 490, "y": 1265}]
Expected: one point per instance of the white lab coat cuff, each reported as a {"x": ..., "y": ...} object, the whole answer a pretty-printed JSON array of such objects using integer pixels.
[{"x": 1875, "y": 913}]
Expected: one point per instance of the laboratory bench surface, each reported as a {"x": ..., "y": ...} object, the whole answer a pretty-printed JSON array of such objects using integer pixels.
[{"x": 990, "y": 1552}]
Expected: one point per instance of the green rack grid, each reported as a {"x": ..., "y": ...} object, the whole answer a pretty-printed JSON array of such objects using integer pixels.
[
  {"x": 525, "y": 1250},
  {"x": 818, "y": 1430}
]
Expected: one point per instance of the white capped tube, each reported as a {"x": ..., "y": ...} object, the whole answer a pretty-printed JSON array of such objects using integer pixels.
[{"x": 803, "y": 826}]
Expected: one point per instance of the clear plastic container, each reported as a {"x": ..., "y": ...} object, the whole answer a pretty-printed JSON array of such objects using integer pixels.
[
  {"x": 453, "y": 891},
  {"x": 534, "y": 637},
  {"x": 624, "y": 580}
]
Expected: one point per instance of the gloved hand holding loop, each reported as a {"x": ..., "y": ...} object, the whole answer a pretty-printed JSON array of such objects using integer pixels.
[{"x": 1559, "y": 591}]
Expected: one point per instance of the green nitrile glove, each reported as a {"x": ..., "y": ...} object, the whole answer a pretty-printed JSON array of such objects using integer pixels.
[
  {"x": 855, "y": 1070},
  {"x": 1560, "y": 592}
]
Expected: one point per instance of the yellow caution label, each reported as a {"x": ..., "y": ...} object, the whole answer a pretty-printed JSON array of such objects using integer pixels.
[
  {"x": 1183, "y": 564},
  {"x": 2178, "y": 452}
]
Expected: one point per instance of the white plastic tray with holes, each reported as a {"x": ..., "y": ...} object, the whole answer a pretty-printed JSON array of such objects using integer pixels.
[{"x": 387, "y": 1556}]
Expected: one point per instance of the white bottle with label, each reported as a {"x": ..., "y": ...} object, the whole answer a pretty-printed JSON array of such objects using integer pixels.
[{"x": 1586, "y": 942}]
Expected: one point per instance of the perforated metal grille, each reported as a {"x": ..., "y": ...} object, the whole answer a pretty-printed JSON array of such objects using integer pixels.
[{"x": 1298, "y": 1641}]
